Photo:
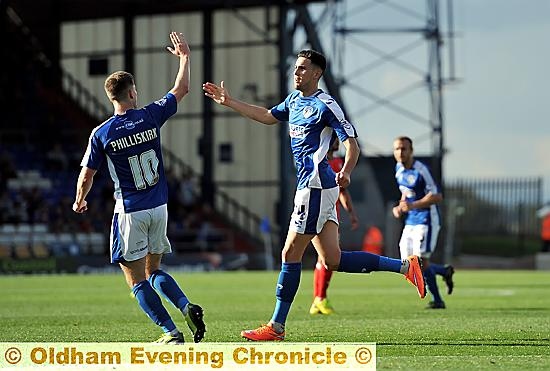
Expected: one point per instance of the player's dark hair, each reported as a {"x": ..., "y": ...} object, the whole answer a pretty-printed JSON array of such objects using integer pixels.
[
  {"x": 117, "y": 84},
  {"x": 405, "y": 139},
  {"x": 315, "y": 57}
]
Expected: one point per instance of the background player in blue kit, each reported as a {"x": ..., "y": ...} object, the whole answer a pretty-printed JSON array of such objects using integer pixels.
[
  {"x": 419, "y": 198},
  {"x": 130, "y": 143},
  {"x": 313, "y": 118}
]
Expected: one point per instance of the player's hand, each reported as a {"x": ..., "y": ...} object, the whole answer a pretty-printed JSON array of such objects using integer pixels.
[
  {"x": 343, "y": 179},
  {"x": 80, "y": 207},
  {"x": 404, "y": 206},
  {"x": 180, "y": 47},
  {"x": 219, "y": 94},
  {"x": 396, "y": 212}
]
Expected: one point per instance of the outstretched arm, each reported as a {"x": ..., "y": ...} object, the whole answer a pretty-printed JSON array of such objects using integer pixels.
[
  {"x": 181, "y": 50},
  {"x": 220, "y": 95},
  {"x": 83, "y": 186}
]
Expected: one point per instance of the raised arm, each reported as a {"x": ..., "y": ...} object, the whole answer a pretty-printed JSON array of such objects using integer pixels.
[
  {"x": 220, "y": 95},
  {"x": 181, "y": 50}
]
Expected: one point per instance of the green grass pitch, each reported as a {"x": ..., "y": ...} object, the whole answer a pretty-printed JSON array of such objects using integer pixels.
[{"x": 493, "y": 320}]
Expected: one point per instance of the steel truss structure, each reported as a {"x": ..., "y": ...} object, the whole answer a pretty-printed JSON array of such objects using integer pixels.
[{"x": 338, "y": 22}]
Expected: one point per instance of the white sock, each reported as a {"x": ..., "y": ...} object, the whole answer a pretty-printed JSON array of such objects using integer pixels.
[
  {"x": 404, "y": 266},
  {"x": 278, "y": 327}
]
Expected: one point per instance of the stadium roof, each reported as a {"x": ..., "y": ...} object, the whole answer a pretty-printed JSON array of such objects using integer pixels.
[{"x": 72, "y": 10}]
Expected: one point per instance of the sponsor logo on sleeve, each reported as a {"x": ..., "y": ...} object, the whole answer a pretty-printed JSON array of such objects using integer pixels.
[{"x": 161, "y": 102}]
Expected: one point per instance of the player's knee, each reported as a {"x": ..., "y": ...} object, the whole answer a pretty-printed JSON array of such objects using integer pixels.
[
  {"x": 290, "y": 255},
  {"x": 332, "y": 263}
]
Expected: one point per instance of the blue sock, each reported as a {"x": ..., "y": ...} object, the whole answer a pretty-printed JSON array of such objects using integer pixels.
[
  {"x": 168, "y": 288},
  {"x": 150, "y": 303},
  {"x": 438, "y": 269},
  {"x": 429, "y": 276},
  {"x": 287, "y": 286},
  {"x": 365, "y": 262}
]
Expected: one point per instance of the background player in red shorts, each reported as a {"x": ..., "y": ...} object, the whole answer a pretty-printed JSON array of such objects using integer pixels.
[{"x": 321, "y": 275}]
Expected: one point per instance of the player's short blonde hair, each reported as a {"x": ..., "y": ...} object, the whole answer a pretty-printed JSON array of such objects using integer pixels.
[{"x": 117, "y": 84}]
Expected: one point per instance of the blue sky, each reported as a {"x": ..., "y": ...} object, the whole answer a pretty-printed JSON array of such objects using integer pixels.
[
  {"x": 496, "y": 117},
  {"x": 502, "y": 108}
]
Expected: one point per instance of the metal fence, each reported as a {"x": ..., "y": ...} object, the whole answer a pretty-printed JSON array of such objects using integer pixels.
[{"x": 500, "y": 209}]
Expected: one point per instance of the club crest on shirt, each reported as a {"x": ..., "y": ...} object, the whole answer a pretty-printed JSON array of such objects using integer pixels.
[
  {"x": 410, "y": 179},
  {"x": 409, "y": 193},
  {"x": 308, "y": 111}
]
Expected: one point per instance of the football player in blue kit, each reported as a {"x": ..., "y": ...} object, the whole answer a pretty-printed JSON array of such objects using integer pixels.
[
  {"x": 419, "y": 198},
  {"x": 129, "y": 142},
  {"x": 313, "y": 117}
]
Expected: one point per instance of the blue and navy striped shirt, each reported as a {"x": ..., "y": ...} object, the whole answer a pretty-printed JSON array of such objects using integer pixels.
[
  {"x": 130, "y": 143},
  {"x": 415, "y": 183},
  {"x": 313, "y": 121}
]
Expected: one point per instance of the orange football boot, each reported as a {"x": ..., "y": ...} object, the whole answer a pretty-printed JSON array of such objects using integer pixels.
[
  {"x": 263, "y": 333},
  {"x": 414, "y": 275}
]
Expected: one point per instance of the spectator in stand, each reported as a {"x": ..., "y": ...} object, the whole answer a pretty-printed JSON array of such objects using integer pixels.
[
  {"x": 34, "y": 202},
  {"x": 187, "y": 193},
  {"x": 18, "y": 214}
]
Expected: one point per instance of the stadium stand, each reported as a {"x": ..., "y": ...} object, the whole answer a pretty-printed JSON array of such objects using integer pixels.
[{"x": 39, "y": 163}]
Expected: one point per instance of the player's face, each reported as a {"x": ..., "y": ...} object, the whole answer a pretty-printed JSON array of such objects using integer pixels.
[
  {"x": 306, "y": 74},
  {"x": 402, "y": 151}
]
